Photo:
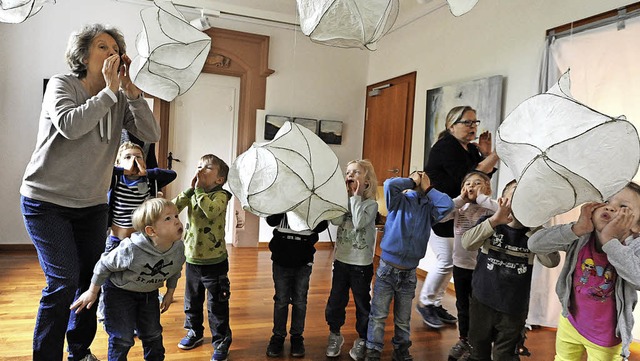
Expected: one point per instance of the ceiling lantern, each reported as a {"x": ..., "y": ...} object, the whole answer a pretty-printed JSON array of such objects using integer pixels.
[{"x": 347, "y": 23}]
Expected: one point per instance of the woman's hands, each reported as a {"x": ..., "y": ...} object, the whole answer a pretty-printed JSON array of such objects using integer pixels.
[
  {"x": 115, "y": 70},
  {"x": 484, "y": 143}
]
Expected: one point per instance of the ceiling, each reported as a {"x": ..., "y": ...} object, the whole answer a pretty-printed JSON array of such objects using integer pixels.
[{"x": 284, "y": 11}]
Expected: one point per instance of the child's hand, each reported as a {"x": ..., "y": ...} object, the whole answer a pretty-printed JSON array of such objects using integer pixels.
[
  {"x": 425, "y": 181},
  {"x": 141, "y": 168},
  {"x": 503, "y": 215},
  {"x": 464, "y": 194},
  {"x": 415, "y": 177},
  {"x": 619, "y": 227},
  {"x": 584, "y": 225},
  {"x": 352, "y": 187},
  {"x": 195, "y": 182},
  {"x": 166, "y": 302},
  {"x": 87, "y": 299}
]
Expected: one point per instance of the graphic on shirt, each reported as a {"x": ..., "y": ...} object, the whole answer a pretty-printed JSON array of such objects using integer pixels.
[
  {"x": 348, "y": 237},
  {"x": 596, "y": 281},
  {"x": 157, "y": 268}
]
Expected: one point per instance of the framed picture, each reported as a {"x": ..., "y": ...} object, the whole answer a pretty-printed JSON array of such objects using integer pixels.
[
  {"x": 484, "y": 95},
  {"x": 330, "y": 131},
  {"x": 310, "y": 124},
  {"x": 273, "y": 123}
]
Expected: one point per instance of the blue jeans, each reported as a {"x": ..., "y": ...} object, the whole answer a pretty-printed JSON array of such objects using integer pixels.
[
  {"x": 69, "y": 242},
  {"x": 212, "y": 281},
  {"x": 291, "y": 285},
  {"x": 399, "y": 285},
  {"x": 125, "y": 311},
  {"x": 358, "y": 279}
]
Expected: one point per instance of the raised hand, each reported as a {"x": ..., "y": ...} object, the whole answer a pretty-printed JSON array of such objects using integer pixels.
[
  {"x": 130, "y": 90},
  {"x": 503, "y": 215},
  {"x": 584, "y": 224},
  {"x": 110, "y": 72},
  {"x": 619, "y": 227},
  {"x": 484, "y": 143}
]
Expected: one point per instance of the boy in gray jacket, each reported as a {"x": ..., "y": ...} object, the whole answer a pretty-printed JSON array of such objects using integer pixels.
[
  {"x": 132, "y": 273},
  {"x": 598, "y": 284}
]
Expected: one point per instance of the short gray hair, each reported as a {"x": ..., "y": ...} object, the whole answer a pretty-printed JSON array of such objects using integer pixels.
[{"x": 80, "y": 42}]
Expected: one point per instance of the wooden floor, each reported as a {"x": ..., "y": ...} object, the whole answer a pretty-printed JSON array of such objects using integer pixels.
[{"x": 21, "y": 281}]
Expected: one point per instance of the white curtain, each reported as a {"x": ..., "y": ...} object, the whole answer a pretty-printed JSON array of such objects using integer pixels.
[{"x": 604, "y": 76}]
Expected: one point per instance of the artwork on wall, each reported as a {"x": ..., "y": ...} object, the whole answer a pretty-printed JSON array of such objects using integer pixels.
[
  {"x": 484, "y": 95},
  {"x": 272, "y": 124},
  {"x": 310, "y": 124},
  {"x": 330, "y": 131}
]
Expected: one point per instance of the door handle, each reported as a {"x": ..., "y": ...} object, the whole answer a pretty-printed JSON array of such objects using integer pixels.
[
  {"x": 170, "y": 160},
  {"x": 394, "y": 171}
]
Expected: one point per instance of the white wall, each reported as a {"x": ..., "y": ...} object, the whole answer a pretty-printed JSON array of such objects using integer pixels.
[{"x": 310, "y": 80}]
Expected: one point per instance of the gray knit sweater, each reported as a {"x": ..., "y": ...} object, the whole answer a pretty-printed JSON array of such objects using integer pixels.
[{"x": 78, "y": 139}]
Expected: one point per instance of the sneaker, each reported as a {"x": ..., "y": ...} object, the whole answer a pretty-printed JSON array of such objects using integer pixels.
[
  {"x": 458, "y": 350},
  {"x": 297, "y": 346},
  {"x": 372, "y": 355},
  {"x": 334, "y": 344},
  {"x": 358, "y": 350},
  {"x": 276, "y": 346},
  {"x": 445, "y": 316},
  {"x": 191, "y": 340},
  {"x": 220, "y": 354},
  {"x": 429, "y": 316},
  {"x": 402, "y": 353},
  {"x": 89, "y": 357}
]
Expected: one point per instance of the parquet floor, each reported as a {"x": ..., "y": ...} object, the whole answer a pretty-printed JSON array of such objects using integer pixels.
[{"x": 21, "y": 281}]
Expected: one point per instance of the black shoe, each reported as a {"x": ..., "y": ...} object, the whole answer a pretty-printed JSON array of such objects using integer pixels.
[
  {"x": 429, "y": 316},
  {"x": 276, "y": 346},
  {"x": 445, "y": 316},
  {"x": 297, "y": 346},
  {"x": 402, "y": 353},
  {"x": 372, "y": 355}
]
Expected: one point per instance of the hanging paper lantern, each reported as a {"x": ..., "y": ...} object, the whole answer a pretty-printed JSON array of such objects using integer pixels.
[
  {"x": 171, "y": 52},
  {"x": 347, "y": 23},
  {"x": 563, "y": 154},
  {"x": 17, "y": 11},
  {"x": 461, "y": 7},
  {"x": 296, "y": 173}
]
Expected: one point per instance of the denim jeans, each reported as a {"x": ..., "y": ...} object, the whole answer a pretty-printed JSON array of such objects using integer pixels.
[
  {"x": 212, "y": 281},
  {"x": 399, "y": 285},
  {"x": 291, "y": 285},
  {"x": 462, "y": 283},
  {"x": 125, "y": 311},
  {"x": 69, "y": 242},
  {"x": 358, "y": 279}
]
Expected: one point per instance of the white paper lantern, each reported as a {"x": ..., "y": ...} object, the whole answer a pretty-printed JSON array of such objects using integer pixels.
[
  {"x": 17, "y": 11},
  {"x": 461, "y": 7},
  {"x": 347, "y": 23},
  {"x": 171, "y": 52},
  {"x": 563, "y": 154},
  {"x": 296, "y": 173}
]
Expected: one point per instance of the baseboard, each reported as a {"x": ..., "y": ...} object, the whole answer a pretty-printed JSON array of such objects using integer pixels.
[{"x": 7, "y": 248}]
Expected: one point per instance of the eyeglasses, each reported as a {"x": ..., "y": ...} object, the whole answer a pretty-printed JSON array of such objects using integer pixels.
[{"x": 468, "y": 123}]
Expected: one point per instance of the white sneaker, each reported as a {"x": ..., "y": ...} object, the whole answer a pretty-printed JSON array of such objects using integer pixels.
[{"x": 335, "y": 343}]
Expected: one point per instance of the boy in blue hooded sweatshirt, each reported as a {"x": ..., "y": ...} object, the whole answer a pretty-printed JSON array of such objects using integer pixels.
[{"x": 413, "y": 207}]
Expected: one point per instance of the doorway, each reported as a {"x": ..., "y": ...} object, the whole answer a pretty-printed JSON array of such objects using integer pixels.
[
  {"x": 388, "y": 126},
  {"x": 204, "y": 121}
]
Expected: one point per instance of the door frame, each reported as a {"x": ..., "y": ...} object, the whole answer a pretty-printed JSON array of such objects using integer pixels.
[{"x": 406, "y": 78}]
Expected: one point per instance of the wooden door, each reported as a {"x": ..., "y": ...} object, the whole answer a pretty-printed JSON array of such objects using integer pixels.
[{"x": 388, "y": 126}]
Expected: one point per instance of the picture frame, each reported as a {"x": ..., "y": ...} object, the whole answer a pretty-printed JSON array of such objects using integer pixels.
[
  {"x": 330, "y": 131},
  {"x": 310, "y": 124},
  {"x": 272, "y": 124}
]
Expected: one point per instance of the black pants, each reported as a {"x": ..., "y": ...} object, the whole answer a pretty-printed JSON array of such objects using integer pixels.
[
  {"x": 494, "y": 332},
  {"x": 212, "y": 281},
  {"x": 358, "y": 279},
  {"x": 462, "y": 283}
]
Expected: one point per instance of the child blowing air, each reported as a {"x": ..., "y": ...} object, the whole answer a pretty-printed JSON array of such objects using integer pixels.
[
  {"x": 600, "y": 278},
  {"x": 413, "y": 207},
  {"x": 207, "y": 259},
  {"x": 132, "y": 273}
]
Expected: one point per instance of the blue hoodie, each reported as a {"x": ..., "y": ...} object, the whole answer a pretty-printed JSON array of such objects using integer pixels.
[{"x": 408, "y": 226}]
